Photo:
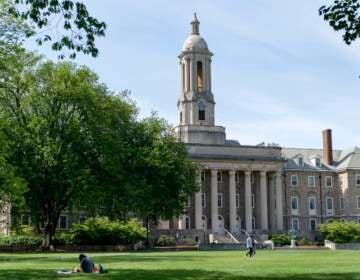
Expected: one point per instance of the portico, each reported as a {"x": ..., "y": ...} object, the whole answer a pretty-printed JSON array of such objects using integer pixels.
[{"x": 234, "y": 195}]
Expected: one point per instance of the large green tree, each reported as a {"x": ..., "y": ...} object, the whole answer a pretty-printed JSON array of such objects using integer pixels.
[
  {"x": 59, "y": 120},
  {"x": 343, "y": 15},
  {"x": 77, "y": 145}
]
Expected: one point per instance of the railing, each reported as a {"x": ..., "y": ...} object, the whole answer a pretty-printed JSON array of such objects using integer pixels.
[{"x": 230, "y": 235}]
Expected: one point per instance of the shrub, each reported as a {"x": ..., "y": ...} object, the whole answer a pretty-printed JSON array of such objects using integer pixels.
[
  {"x": 102, "y": 231},
  {"x": 280, "y": 239},
  {"x": 165, "y": 240},
  {"x": 21, "y": 240},
  {"x": 304, "y": 242},
  {"x": 188, "y": 242},
  {"x": 341, "y": 232}
]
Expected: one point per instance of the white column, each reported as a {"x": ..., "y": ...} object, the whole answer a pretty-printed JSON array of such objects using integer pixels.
[
  {"x": 214, "y": 202},
  {"x": 279, "y": 202},
  {"x": 193, "y": 74},
  {"x": 232, "y": 201},
  {"x": 263, "y": 201},
  {"x": 248, "y": 208},
  {"x": 198, "y": 207},
  {"x": 182, "y": 222}
]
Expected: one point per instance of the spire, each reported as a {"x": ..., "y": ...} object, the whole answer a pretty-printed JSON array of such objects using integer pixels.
[{"x": 195, "y": 25}]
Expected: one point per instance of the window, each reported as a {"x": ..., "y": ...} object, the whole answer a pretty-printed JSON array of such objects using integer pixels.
[
  {"x": 294, "y": 180},
  {"x": 358, "y": 202},
  {"x": 236, "y": 177},
  {"x": 329, "y": 206},
  {"x": 252, "y": 178},
  {"x": 187, "y": 222},
  {"x": 300, "y": 161},
  {"x": 201, "y": 115},
  {"x": 199, "y": 71},
  {"x": 253, "y": 224},
  {"x": 204, "y": 222},
  {"x": 294, "y": 203},
  {"x": 25, "y": 220},
  {"x": 341, "y": 182},
  {"x": 180, "y": 117},
  {"x": 312, "y": 203},
  {"x": 357, "y": 180},
  {"x": 252, "y": 200},
  {"x": 188, "y": 202},
  {"x": 220, "y": 200},
  {"x": 82, "y": 219},
  {"x": 201, "y": 107},
  {"x": 63, "y": 222},
  {"x": 202, "y": 175},
  {"x": 237, "y": 200},
  {"x": 328, "y": 181},
  {"x": 311, "y": 181},
  {"x": 312, "y": 225},
  {"x": 295, "y": 224},
  {"x": 318, "y": 162},
  {"x": 342, "y": 207},
  {"x": 219, "y": 176},
  {"x": 203, "y": 200}
]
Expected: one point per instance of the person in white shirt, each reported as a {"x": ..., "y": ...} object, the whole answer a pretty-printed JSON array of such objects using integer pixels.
[{"x": 250, "y": 246}]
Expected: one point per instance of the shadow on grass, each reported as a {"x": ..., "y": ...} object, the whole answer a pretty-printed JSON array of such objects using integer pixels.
[
  {"x": 169, "y": 274},
  {"x": 108, "y": 259}
]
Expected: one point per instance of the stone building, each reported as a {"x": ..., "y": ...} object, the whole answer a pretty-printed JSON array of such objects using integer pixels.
[{"x": 262, "y": 188}]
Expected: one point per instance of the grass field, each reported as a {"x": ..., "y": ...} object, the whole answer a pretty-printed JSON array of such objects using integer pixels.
[{"x": 265, "y": 265}]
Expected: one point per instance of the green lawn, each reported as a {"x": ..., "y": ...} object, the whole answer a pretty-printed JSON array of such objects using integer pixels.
[{"x": 190, "y": 265}]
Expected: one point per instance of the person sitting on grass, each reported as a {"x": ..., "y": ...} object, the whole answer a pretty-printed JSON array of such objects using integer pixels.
[{"x": 87, "y": 265}]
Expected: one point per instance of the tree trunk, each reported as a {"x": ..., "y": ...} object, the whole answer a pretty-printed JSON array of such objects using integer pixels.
[
  {"x": 147, "y": 233},
  {"x": 49, "y": 231}
]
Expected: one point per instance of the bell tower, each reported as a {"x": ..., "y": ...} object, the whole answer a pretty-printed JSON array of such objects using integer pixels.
[{"x": 196, "y": 103}]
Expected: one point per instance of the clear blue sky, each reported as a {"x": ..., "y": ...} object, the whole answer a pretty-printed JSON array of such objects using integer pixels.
[{"x": 279, "y": 74}]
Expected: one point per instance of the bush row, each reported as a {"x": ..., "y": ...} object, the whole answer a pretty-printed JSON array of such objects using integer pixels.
[
  {"x": 21, "y": 241},
  {"x": 102, "y": 231},
  {"x": 341, "y": 232}
]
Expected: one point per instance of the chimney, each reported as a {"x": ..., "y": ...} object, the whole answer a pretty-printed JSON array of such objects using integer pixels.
[{"x": 327, "y": 147}]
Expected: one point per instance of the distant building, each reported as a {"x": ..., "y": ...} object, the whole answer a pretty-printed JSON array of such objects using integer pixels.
[{"x": 263, "y": 188}]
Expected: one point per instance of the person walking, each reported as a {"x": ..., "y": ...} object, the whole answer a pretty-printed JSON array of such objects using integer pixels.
[{"x": 250, "y": 246}]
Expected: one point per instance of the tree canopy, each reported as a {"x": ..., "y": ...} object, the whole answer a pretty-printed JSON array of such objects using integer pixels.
[
  {"x": 67, "y": 24},
  {"x": 76, "y": 145},
  {"x": 343, "y": 15}
]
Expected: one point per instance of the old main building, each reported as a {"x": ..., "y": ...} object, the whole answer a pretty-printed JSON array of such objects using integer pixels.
[{"x": 256, "y": 188}]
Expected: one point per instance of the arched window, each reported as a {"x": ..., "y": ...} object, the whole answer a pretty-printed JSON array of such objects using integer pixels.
[
  {"x": 199, "y": 72},
  {"x": 180, "y": 117}
]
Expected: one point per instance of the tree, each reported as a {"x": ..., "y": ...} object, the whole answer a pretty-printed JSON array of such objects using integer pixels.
[
  {"x": 152, "y": 178},
  {"x": 59, "y": 120},
  {"x": 343, "y": 15},
  {"x": 79, "y": 28}
]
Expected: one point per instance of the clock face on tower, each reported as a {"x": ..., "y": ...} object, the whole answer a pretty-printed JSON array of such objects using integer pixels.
[{"x": 201, "y": 105}]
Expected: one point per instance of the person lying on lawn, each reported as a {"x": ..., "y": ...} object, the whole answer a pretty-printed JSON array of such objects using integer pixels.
[{"x": 87, "y": 265}]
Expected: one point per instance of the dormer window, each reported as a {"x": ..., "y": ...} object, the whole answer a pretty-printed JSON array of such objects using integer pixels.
[
  {"x": 315, "y": 161},
  {"x": 300, "y": 161}
]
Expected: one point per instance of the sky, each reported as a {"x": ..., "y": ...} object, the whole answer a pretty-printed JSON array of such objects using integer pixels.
[{"x": 280, "y": 74}]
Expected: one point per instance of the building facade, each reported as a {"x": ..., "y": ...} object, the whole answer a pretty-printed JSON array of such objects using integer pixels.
[{"x": 262, "y": 188}]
